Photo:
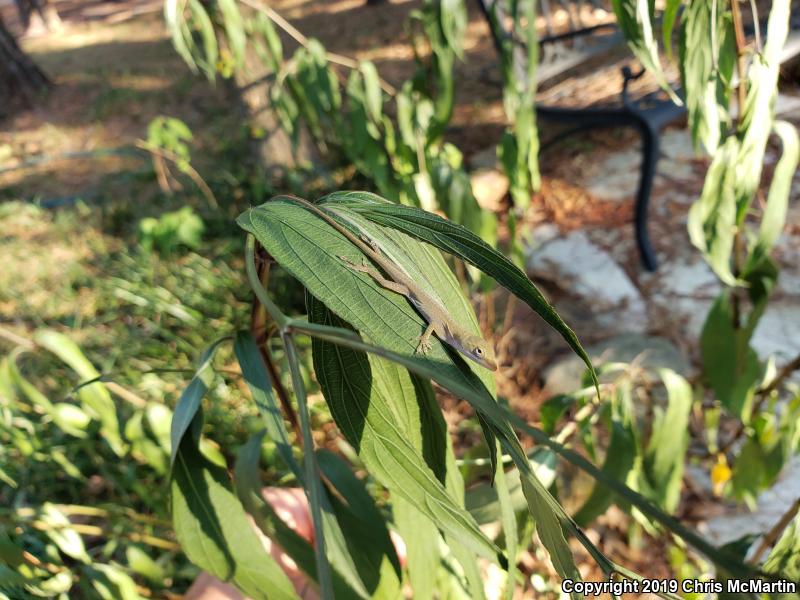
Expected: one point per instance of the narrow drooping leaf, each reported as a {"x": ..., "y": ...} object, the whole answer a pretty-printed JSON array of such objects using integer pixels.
[
  {"x": 759, "y": 109},
  {"x": 712, "y": 218},
  {"x": 257, "y": 379},
  {"x": 189, "y": 402},
  {"x": 635, "y": 19},
  {"x": 618, "y": 463},
  {"x": 706, "y": 40},
  {"x": 666, "y": 449},
  {"x": 364, "y": 528},
  {"x": 549, "y": 515},
  {"x": 774, "y": 217}
]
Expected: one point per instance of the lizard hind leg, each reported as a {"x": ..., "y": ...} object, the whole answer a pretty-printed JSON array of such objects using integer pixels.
[{"x": 424, "y": 341}]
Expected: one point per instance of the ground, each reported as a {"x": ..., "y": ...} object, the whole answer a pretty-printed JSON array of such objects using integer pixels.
[{"x": 115, "y": 70}]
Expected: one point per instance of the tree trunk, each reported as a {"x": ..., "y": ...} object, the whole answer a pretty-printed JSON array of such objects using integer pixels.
[
  {"x": 20, "y": 78},
  {"x": 38, "y": 16}
]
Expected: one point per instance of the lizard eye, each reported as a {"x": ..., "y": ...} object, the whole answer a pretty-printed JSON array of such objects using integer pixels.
[{"x": 479, "y": 351}]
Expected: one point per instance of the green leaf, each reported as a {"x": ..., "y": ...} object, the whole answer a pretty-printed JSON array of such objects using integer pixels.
[
  {"x": 234, "y": 29},
  {"x": 668, "y": 23},
  {"x": 62, "y": 534},
  {"x": 774, "y": 217},
  {"x": 759, "y": 109},
  {"x": 364, "y": 528},
  {"x": 379, "y": 408},
  {"x": 635, "y": 19},
  {"x": 784, "y": 559},
  {"x": 307, "y": 247},
  {"x": 373, "y": 95},
  {"x": 111, "y": 582},
  {"x": 712, "y": 218},
  {"x": 549, "y": 515},
  {"x": 95, "y": 398},
  {"x": 730, "y": 365},
  {"x": 509, "y": 520},
  {"x": 255, "y": 375},
  {"x": 462, "y": 243},
  {"x": 248, "y": 489},
  {"x": 706, "y": 78},
  {"x": 618, "y": 463},
  {"x": 666, "y": 449},
  {"x": 214, "y": 531},
  {"x": 71, "y": 419},
  {"x": 141, "y": 563},
  {"x": 189, "y": 403}
]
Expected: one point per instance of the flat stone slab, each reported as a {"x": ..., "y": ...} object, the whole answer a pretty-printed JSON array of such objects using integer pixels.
[
  {"x": 650, "y": 352},
  {"x": 587, "y": 271}
]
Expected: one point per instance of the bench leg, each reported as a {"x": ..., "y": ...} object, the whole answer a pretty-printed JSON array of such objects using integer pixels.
[{"x": 650, "y": 153}]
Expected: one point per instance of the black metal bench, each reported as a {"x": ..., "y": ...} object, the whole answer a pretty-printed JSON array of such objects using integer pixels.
[{"x": 579, "y": 48}]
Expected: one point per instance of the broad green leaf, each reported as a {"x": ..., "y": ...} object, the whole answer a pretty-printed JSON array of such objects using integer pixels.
[
  {"x": 95, "y": 398},
  {"x": 712, "y": 218},
  {"x": 462, "y": 243},
  {"x": 774, "y": 217},
  {"x": 730, "y": 365},
  {"x": 304, "y": 245},
  {"x": 379, "y": 408},
  {"x": 422, "y": 541},
  {"x": 214, "y": 531},
  {"x": 364, "y": 528},
  {"x": 549, "y": 515}
]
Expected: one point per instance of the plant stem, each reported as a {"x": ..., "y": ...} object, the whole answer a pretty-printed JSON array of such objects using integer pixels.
[
  {"x": 313, "y": 483},
  {"x": 773, "y": 534},
  {"x": 258, "y": 328},
  {"x": 789, "y": 368},
  {"x": 301, "y": 39}
]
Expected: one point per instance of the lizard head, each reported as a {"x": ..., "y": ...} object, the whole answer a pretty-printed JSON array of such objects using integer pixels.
[{"x": 479, "y": 350}]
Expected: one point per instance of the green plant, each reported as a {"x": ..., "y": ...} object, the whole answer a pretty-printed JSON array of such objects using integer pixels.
[
  {"x": 378, "y": 391},
  {"x": 734, "y": 233},
  {"x": 170, "y": 230},
  {"x": 401, "y": 151}
]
